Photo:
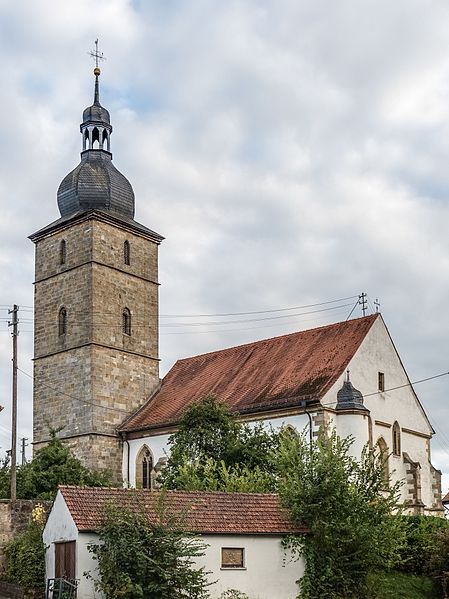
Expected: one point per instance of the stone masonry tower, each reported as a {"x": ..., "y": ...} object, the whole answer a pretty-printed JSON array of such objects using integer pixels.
[{"x": 96, "y": 305}]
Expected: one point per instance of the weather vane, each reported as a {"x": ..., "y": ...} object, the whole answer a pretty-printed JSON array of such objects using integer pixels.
[{"x": 96, "y": 55}]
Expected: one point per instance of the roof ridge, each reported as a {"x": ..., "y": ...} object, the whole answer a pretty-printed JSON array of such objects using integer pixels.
[
  {"x": 260, "y": 341},
  {"x": 169, "y": 492}
]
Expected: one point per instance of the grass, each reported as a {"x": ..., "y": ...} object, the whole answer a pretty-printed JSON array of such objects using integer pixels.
[{"x": 397, "y": 585}]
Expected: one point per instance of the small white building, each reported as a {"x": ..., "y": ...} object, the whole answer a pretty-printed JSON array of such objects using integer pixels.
[
  {"x": 301, "y": 380},
  {"x": 243, "y": 532}
]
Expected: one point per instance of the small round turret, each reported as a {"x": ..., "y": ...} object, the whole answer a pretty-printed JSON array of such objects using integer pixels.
[{"x": 348, "y": 397}]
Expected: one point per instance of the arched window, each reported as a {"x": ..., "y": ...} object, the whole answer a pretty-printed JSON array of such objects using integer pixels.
[
  {"x": 126, "y": 253},
  {"x": 62, "y": 321},
  {"x": 126, "y": 322},
  {"x": 95, "y": 138},
  {"x": 62, "y": 252},
  {"x": 290, "y": 430},
  {"x": 382, "y": 450},
  {"x": 396, "y": 439},
  {"x": 144, "y": 469}
]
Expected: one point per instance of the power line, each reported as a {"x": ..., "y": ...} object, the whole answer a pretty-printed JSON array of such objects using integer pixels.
[
  {"x": 257, "y": 311},
  {"x": 225, "y": 314},
  {"x": 436, "y": 376},
  {"x": 184, "y": 324},
  {"x": 410, "y": 384},
  {"x": 266, "y": 326}
]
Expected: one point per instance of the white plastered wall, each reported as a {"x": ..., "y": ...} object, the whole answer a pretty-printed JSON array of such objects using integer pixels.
[
  {"x": 86, "y": 563},
  {"x": 59, "y": 528},
  {"x": 269, "y": 572},
  {"x": 158, "y": 444},
  {"x": 377, "y": 354}
]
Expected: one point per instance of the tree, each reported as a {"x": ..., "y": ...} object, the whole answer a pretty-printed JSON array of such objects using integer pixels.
[
  {"x": 139, "y": 558},
  {"x": 52, "y": 465},
  {"x": 347, "y": 507},
  {"x": 211, "y": 450}
]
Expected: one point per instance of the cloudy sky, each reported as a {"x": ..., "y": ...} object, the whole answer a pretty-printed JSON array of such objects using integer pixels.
[{"x": 292, "y": 152}]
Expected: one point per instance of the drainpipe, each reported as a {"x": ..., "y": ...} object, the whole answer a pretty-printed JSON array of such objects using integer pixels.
[{"x": 304, "y": 405}]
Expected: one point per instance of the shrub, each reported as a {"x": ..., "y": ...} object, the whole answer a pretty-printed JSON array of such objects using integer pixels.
[
  {"x": 421, "y": 542},
  {"x": 138, "y": 558},
  {"x": 25, "y": 555},
  {"x": 438, "y": 562},
  {"x": 347, "y": 509}
]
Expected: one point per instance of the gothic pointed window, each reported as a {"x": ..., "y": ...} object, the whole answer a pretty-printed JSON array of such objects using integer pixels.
[
  {"x": 396, "y": 439},
  {"x": 62, "y": 252},
  {"x": 126, "y": 253},
  {"x": 126, "y": 322},
  {"x": 62, "y": 322},
  {"x": 144, "y": 469}
]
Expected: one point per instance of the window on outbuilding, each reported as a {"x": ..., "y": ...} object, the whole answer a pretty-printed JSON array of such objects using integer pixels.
[
  {"x": 62, "y": 322},
  {"x": 62, "y": 252},
  {"x": 396, "y": 439},
  {"x": 126, "y": 253},
  {"x": 126, "y": 322},
  {"x": 232, "y": 557},
  {"x": 144, "y": 469},
  {"x": 381, "y": 381}
]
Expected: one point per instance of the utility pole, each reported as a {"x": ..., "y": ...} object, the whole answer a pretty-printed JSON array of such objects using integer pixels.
[
  {"x": 22, "y": 451},
  {"x": 363, "y": 302},
  {"x": 15, "y": 332}
]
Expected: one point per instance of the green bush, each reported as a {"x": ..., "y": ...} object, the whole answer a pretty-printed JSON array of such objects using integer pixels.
[
  {"x": 438, "y": 562},
  {"x": 347, "y": 509},
  {"x": 25, "y": 555},
  {"x": 140, "y": 559},
  {"x": 52, "y": 465},
  {"x": 421, "y": 542},
  {"x": 398, "y": 585}
]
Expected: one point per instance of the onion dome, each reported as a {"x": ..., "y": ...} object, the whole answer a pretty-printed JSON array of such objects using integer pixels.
[
  {"x": 95, "y": 184},
  {"x": 348, "y": 397}
]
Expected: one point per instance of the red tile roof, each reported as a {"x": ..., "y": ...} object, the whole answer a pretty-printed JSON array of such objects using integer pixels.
[
  {"x": 206, "y": 512},
  {"x": 259, "y": 376},
  {"x": 446, "y": 498}
]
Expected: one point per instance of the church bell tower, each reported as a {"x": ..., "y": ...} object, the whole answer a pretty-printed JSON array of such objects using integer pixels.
[{"x": 96, "y": 305}]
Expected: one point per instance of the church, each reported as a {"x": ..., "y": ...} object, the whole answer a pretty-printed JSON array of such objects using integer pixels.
[{"x": 96, "y": 359}]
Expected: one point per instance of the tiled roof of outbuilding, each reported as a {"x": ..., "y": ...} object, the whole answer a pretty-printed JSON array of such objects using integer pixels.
[
  {"x": 260, "y": 376},
  {"x": 446, "y": 498},
  {"x": 204, "y": 512}
]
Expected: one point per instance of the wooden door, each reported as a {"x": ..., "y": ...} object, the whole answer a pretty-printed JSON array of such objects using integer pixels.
[{"x": 65, "y": 560}]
